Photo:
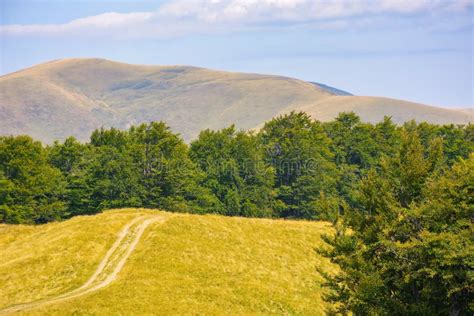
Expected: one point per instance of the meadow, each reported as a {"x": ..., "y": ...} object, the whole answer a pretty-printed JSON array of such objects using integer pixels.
[
  {"x": 399, "y": 198},
  {"x": 189, "y": 264}
]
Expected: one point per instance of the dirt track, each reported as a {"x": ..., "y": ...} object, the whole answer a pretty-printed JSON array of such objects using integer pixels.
[{"x": 108, "y": 268}]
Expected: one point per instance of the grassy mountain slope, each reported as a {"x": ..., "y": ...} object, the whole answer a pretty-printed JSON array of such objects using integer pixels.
[
  {"x": 468, "y": 111},
  {"x": 73, "y": 96},
  {"x": 49, "y": 259},
  {"x": 373, "y": 109},
  {"x": 189, "y": 264}
]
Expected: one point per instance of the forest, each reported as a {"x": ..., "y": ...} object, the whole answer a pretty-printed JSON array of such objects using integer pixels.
[{"x": 400, "y": 197}]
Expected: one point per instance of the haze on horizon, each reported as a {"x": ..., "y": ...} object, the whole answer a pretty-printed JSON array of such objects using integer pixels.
[{"x": 417, "y": 50}]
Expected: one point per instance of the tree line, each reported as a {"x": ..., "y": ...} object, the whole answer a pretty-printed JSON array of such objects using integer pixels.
[
  {"x": 400, "y": 197},
  {"x": 294, "y": 167}
]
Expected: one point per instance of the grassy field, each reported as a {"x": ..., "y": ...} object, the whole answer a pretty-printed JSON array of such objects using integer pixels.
[{"x": 190, "y": 264}]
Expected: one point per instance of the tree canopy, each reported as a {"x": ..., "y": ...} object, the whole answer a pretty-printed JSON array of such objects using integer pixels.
[{"x": 400, "y": 197}]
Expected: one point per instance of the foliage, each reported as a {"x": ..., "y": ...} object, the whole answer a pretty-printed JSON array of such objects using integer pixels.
[
  {"x": 32, "y": 191},
  {"x": 400, "y": 197},
  {"x": 235, "y": 172},
  {"x": 293, "y": 167},
  {"x": 410, "y": 253},
  {"x": 298, "y": 149}
]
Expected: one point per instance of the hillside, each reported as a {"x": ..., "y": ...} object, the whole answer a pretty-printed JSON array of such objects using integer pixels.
[
  {"x": 373, "y": 109},
  {"x": 198, "y": 264},
  {"x": 74, "y": 96}
]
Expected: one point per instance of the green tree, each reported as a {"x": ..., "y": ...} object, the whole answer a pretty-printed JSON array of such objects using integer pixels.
[
  {"x": 413, "y": 260},
  {"x": 409, "y": 169},
  {"x": 235, "y": 172},
  {"x": 67, "y": 155},
  {"x": 73, "y": 158},
  {"x": 111, "y": 180},
  {"x": 298, "y": 149},
  {"x": 354, "y": 142},
  {"x": 168, "y": 177},
  {"x": 387, "y": 138},
  {"x": 32, "y": 191}
]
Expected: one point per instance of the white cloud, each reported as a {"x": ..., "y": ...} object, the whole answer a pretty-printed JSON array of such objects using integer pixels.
[
  {"x": 179, "y": 17},
  {"x": 106, "y": 21},
  {"x": 298, "y": 10},
  {"x": 111, "y": 19}
]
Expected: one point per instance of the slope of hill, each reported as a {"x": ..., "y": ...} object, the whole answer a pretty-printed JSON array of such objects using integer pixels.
[
  {"x": 331, "y": 90},
  {"x": 197, "y": 264},
  {"x": 74, "y": 96},
  {"x": 373, "y": 109},
  {"x": 468, "y": 111}
]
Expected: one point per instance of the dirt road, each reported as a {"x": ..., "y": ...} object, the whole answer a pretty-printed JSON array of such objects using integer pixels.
[{"x": 108, "y": 268}]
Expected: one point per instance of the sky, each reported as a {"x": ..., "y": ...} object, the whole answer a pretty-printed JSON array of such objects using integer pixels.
[{"x": 416, "y": 50}]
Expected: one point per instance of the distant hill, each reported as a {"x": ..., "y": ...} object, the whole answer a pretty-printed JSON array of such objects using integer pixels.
[
  {"x": 330, "y": 89},
  {"x": 74, "y": 96},
  {"x": 469, "y": 111},
  {"x": 373, "y": 109},
  {"x": 144, "y": 262}
]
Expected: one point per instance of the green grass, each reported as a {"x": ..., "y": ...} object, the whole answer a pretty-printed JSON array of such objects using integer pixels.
[{"x": 191, "y": 264}]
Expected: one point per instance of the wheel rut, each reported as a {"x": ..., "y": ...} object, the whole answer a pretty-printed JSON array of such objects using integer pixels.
[{"x": 107, "y": 270}]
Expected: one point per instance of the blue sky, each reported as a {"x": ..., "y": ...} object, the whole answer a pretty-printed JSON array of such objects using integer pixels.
[{"x": 417, "y": 50}]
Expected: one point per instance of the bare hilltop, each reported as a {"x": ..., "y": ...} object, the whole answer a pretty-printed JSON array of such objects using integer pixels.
[{"x": 54, "y": 100}]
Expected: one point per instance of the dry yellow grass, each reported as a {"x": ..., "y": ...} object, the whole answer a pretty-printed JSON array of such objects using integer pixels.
[
  {"x": 72, "y": 97},
  {"x": 190, "y": 264},
  {"x": 373, "y": 109},
  {"x": 42, "y": 261}
]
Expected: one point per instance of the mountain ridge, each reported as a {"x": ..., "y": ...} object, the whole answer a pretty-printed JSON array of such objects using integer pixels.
[{"x": 72, "y": 97}]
